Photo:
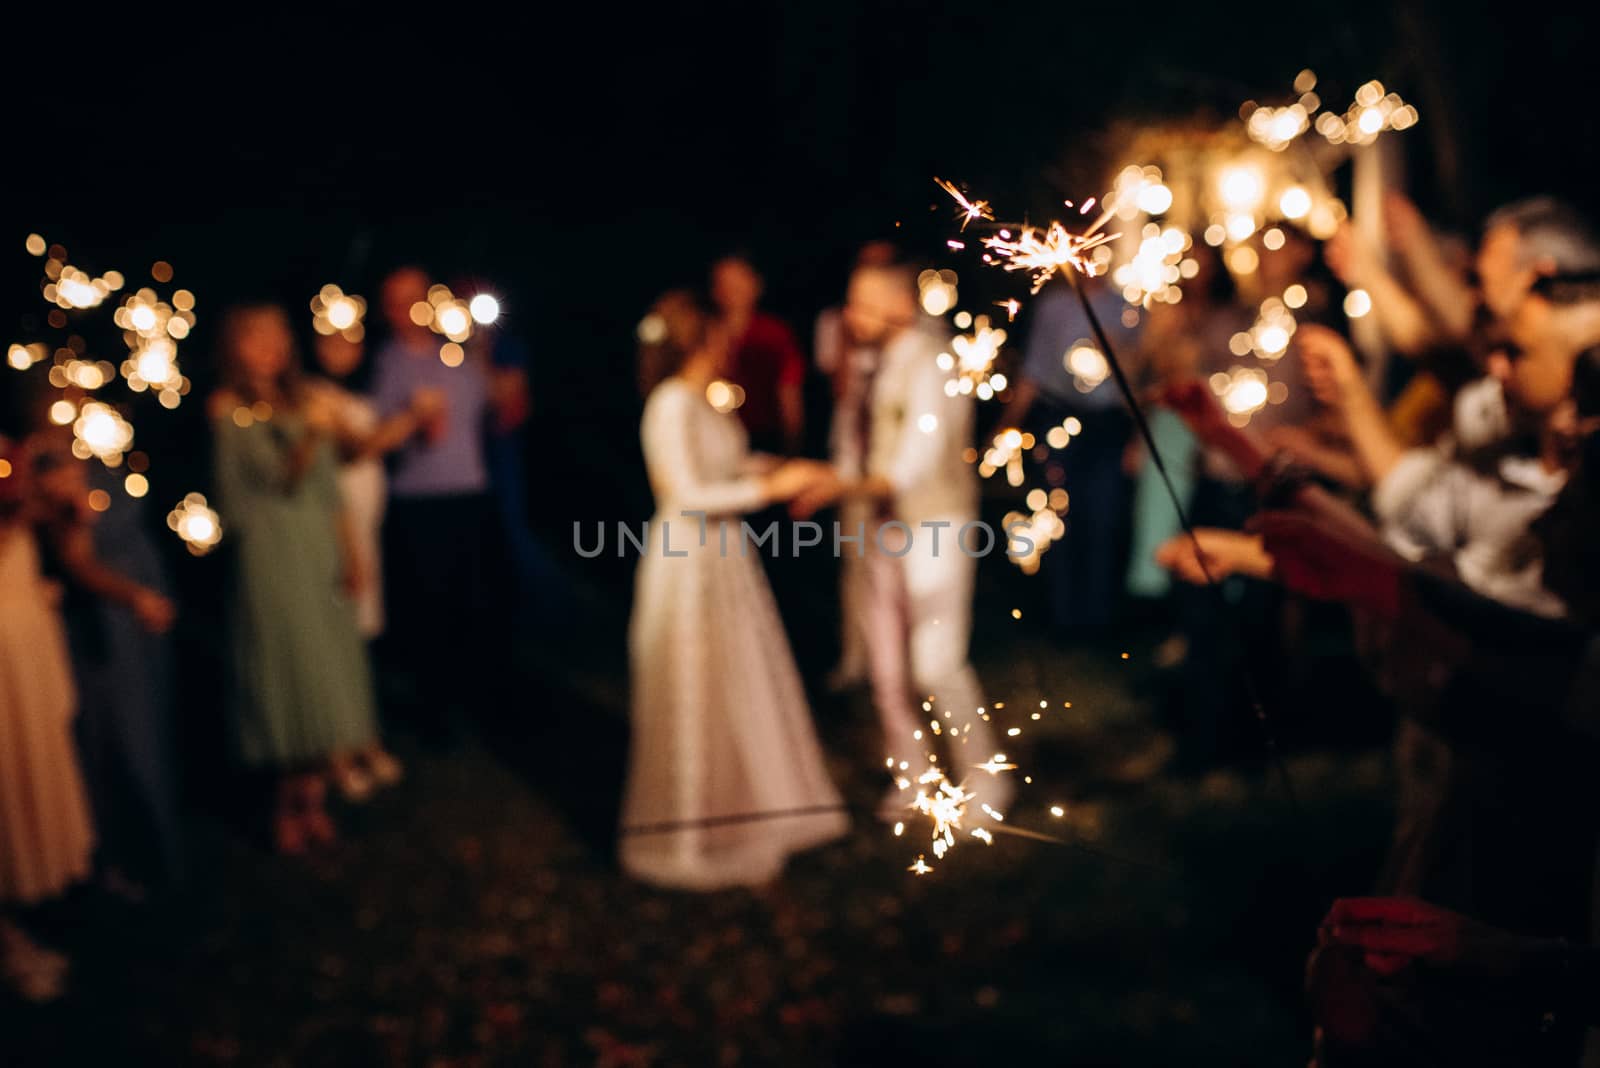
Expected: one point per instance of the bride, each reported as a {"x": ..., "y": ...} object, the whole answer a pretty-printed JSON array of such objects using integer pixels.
[{"x": 720, "y": 722}]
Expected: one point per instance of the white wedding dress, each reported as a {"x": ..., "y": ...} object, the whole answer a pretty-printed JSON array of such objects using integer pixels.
[{"x": 720, "y": 722}]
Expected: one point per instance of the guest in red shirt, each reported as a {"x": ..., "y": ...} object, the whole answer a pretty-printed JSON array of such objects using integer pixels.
[{"x": 766, "y": 362}]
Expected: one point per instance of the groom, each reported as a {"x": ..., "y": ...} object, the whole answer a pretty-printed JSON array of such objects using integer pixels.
[{"x": 919, "y": 491}]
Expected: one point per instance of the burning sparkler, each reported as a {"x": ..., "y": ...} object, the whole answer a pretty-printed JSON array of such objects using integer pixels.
[
  {"x": 1373, "y": 111},
  {"x": 971, "y": 210},
  {"x": 333, "y": 311},
  {"x": 1044, "y": 252},
  {"x": 937, "y": 291},
  {"x": 971, "y": 363},
  {"x": 196, "y": 523},
  {"x": 100, "y": 431}
]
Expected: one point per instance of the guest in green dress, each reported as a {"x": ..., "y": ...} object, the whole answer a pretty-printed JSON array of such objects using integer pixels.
[{"x": 302, "y": 687}]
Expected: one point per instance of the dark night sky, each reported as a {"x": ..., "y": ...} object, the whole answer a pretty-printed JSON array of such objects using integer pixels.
[{"x": 587, "y": 159}]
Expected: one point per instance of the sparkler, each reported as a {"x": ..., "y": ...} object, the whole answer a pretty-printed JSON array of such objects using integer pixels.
[
  {"x": 971, "y": 210},
  {"x": 1372, "y": 112},
  {"x": 484, "y": 308},
  {"x": 333, "y": 311},
  {"x": 1156, "y": 268},
  {"x": 1046, "y": 256},
  {"x": 1006, "y": 454},
  {"x": 972, "y": 361},
  {"x": 937, "y": 291},
  {"x": 100, "y": 431},
  {"x": 1042, "y": 253},
  {"x": 196, "y": 523},
  {"x": 1243, "y": 392}
]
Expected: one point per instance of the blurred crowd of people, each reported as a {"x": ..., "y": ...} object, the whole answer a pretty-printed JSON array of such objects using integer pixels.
[
  {"x": 361, "y": 498},
  {"x": 1456, "y": 517},
  {"x": 1446, "y": 498}
]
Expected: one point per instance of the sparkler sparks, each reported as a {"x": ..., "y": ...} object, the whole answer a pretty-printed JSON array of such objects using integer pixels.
[
  {"x": 333, "y": 311},
  {"x": 972, "y": 361},
  {"x": 945, "y": 804},
  {"x": 1044, "y": 252},
  {"x": 196, "y": 523},
  {"x": 1373, "y": 111},
  {"x": 971, "y": 210},
  {"x": 1006, "y": 454},
  {"x": 1155, "y": 270},
  {"x": 100, "y": 431},
  {"x": 937, "y": 291},
  {"x": 1243, "y": 392}
]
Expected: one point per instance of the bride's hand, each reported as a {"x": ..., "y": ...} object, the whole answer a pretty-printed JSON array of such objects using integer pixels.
[{"x": 794, "y": 477}]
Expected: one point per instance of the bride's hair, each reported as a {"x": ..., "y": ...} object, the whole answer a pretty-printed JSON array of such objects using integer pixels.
[{"x": 674, "y": 328}]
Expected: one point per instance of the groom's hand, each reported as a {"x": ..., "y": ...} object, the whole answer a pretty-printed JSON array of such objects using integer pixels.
[{"x": 824, "y": 490}]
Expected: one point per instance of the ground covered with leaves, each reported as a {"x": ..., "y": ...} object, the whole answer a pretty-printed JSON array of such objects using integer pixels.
[{"x": 475, "y": 915}]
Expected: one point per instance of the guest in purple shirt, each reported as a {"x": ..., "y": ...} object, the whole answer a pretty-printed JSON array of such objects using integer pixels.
[{"x": 434, "y": 536}]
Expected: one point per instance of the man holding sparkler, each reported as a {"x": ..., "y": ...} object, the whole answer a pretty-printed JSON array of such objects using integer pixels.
[{"x": 920, "y": 565}]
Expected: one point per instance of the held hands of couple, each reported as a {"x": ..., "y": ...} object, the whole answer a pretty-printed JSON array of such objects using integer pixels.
[{"x": 792, "y": 480}]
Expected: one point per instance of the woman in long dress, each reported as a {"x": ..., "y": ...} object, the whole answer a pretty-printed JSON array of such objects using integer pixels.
[
  {"x": 720, "y": 721},
  {"x": 45, "y": 832},
  {"x": 118, "y": 615},
  {"x": 362, "y": 440},
  {"x": 302, "y": 690}
]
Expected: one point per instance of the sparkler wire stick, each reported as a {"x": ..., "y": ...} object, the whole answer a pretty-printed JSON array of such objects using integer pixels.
[
  {"x": 732, "y": 819},
  {"x": 637, "y": 830},
  {"x": 1252, "y": 694}
]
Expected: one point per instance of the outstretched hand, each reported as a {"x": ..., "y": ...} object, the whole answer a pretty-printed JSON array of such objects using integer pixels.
[
  {"x": 826, "y": 488},
  {"x": 1349, "y": 256},
  {"x": 790, "y": 479},
  {"x": 1197, "y": 406},
  {"x": 1321, "y": 560},
  {"x": 1394, "y": 932},
  {"x": 1330, "y": 364},
  {"x": 154, "y": 612},
  {"x": 1213, "y": 555},
  {"x": 1403, "y": 224}
]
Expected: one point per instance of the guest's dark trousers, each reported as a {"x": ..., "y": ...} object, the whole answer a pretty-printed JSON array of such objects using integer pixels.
[{"x": 438, "y": 639}]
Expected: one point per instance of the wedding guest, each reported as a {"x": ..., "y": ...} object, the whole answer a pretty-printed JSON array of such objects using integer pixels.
[
  {"x": 438, "y": 519},
  {"x": 362, "y": 440},
  {"x": 302, "y": 688},
  {"x": 119, "y": 611},
  {"x": 766, "y": 360},
  {"x": 45, "y": 834},
  {"x": 542, "y": 593},
  {"x": 1066, "y": 376}
]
